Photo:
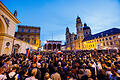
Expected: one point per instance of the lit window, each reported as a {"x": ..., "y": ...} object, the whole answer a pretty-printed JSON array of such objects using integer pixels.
[{"x": 115, "y": 42}]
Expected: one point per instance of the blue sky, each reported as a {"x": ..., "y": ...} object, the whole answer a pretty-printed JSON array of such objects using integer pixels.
[{"x": 53, "y": 16}]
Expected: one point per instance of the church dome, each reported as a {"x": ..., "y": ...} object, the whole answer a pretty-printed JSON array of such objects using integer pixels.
[{"x": 85, "y": 26}]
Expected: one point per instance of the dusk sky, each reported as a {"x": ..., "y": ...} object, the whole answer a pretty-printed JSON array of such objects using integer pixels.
[{"x": 53, "y": 16}]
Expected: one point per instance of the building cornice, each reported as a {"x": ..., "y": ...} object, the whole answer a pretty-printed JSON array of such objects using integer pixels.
[{"x": 8, "y": 13}]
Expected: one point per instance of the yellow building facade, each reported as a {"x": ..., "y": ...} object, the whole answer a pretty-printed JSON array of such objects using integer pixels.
[
  {"x": 29, "y": 34},
  {"x": 84, "y": 40},
  {"x": 8, "y": 43}
]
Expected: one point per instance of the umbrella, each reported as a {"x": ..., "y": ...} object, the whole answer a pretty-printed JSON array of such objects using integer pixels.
[{"x": 59, "y": 52}]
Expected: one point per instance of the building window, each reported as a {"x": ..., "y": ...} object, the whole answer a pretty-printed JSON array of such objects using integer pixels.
[
  {"x": 28, "y": 41},
  {"x": 107, "y": 43},
  {"x": 114, "y": 37},
  {"x": 115, "y": 42},
  {"x": 34, "y": 41},
  {"x": 29, "y": 30},
  {"x": 102, "y": 39},
  {"x": 111, "y": 43},
  {"x": 110, "y": 38},
  {"x": 35, "y": 31},
  {"x": 22, "y": 30},
  {"x": 34, "y": 36},
  {"x": 103, "y": 44},
  {"x": 106, "y": 38},
  {"x": 21, "y": 35},
  {"x": 97, "y": 40}
]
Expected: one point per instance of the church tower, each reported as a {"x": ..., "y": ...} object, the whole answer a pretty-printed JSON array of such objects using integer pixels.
[
  {"x": 79, "y": 27},
  {"x": 80, "y": 33},
  {"x": 87, "y": 30},
  {"x": 68, "y": 36}
]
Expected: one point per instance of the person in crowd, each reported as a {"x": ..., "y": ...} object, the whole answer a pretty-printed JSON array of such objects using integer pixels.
[
  {"x": 47, "y": 76},
  {"x": 2, "y": 74},
  {"x": 25, "y": 74},
  {"x": 82, "y": 65},
  {"x": 33, "y": 74},
  {"x": 55, "y": 75}
]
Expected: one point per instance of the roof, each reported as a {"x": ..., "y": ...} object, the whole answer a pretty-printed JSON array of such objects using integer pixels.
[
  {"x": 86, "y": 27},
  {"x": 53, "y": 41},
  {"x": 8, "y": 13},
  {"x": 103, "y": 34},
  {"x": 25, "y": 26}
]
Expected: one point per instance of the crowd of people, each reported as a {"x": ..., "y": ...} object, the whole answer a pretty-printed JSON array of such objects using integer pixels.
[{"x": 66, "y": 66}]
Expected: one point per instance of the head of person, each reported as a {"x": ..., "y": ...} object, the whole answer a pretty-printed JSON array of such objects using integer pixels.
[
  {"x": 33, "y": 72},
  {"x": 2, "y": 69},
  {"x": 88, "y": 72},
  {"x": 14, "y": 69},
  {"x": 47, "y": 76},
  {"x": 55, "y": 69},
  {"x": 25, "y": 71},
  {"x": 33, "y": 65},
  {"x": 38, "y": 65}
]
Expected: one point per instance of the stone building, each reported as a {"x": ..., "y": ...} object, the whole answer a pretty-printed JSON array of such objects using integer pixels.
[
  {"x": 29, "y": 34},
  {"x": 52, "y": 45},
  {"x": 8, "y": 43},
  {"x": 84, "y": 40}
]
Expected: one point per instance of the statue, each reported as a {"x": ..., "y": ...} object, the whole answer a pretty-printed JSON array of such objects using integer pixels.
[{"x": 15, "y": 13}]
